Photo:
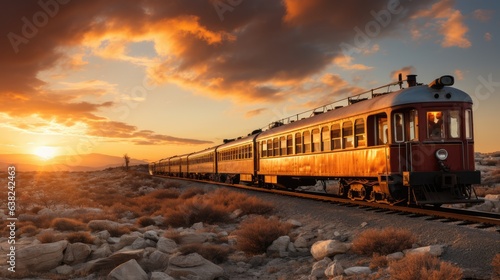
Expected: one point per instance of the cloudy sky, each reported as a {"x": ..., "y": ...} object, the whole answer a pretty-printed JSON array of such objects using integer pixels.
[{"x": 159, "y": 78}]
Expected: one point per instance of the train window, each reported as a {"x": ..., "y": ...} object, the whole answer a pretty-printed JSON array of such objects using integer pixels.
[
  {"x": 359, "y": 130},
  {"x": 283, "y": 145},
  {"x": 347, "y": 135},
  {"x": 316, "y": 140},
  {"x": 298, "y": 143},
  {"x": 307, "y": 141},
  {"x": 269, "y": 148},
  {"x": 289, "y": 144},
  {"x": 454, "y": 123},
  {"x": 413, "y": 125},
  {"x": 263, "y": 148},
  {"x": 325, "y": 138},
  {"x": 382, "y": 134},
  {"x": 468, "y": 124},
  {"x": 435, "y": 124},
  {"x": 399, "y": 128},
  {"x": 336, "y": 144},
  {"x": 276, "y": 146}
]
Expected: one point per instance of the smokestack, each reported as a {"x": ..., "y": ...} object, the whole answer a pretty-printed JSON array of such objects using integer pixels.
[{"x": 411, "y": 80}]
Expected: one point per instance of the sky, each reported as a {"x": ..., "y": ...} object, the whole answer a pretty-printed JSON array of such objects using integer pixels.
[{"x": 160, "y": 78}]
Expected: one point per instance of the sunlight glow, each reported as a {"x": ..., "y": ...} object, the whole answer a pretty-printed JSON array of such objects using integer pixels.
[{"x": 45, "y": 152}]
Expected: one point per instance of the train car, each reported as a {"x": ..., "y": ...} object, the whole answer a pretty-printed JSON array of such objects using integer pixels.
[
  {"x": 202, "y": 165},
  {"x": 152, "y": 168},
  {"x": 236, "y": 161},
  {"x": 413, "y": 145}
]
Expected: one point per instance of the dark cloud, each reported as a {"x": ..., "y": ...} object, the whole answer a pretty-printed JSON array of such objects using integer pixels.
[{"x": 250, "y": 51}]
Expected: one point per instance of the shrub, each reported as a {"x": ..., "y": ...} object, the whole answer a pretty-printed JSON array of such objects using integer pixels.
[
  {"x": 81, "y": 236},
  {"x": 496, "y": 266},
  {"x": 191, "y": 192},
  {"x": 29, "y": 230},
  {"x": 234, "y": 200},
  {"x": 49, "y": 237},
  {"x": 378, "y": 261},
  {"x": 119, "y": 231},
  {"x": 258, "y": 233},
  {"x": 383, "y": 241},
  {"x": 423, "y": 266},
  {"x": 196, "y": 210},
  {"x": 145, "y": 221},
  {"x": 164, "y": 194},
  {"x": 214, "y": 253},
  {"x": 67, "y": 224}
]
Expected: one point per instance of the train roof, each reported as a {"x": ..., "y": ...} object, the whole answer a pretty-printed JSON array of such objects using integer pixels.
[{"x": 407, "y": 96}]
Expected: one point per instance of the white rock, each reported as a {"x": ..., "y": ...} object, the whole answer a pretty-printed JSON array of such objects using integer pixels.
[
  {"x": 64, "y": 269},
  {"x": 40, "y": 257},
  {"x": 300, "y": 242},
  {"x": 319, "y": 267},
  {"x": 364, "y": 224},
  {"x": 279, "y": 247},
  {"x": 197, "y": 226},
  {"x": 327, "y": 248},
  {"x": 166, "y": 245},
  {"x": 395, "y": 256},
  {"x": 434, "y": 250},
  {"x": 357, "y": 270},
  {"x": 334, "y": 269},
  {"x": 151, "y": 235},
  {"x": 206, "y": 270},
  {"x": 76, "y": 253},
  {"x": 160, "y": 276},
  {"x": 129, "y": 270}
]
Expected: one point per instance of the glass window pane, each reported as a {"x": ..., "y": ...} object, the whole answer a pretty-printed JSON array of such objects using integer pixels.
[
  {"x": 307, "y": 141},
  {"x": 289, "y": 145},
  {"x": 347, "y": 134},
  {"x": 454, "y": 124},
  {"x": 325, "y": 138},
  {"x": 468, "y": 122},
  {"x": 298, "y": 143},
  {"x": 413, "y": 125},
  {"x": 316, "y": 139},
  {"x": 435, "y": 125},
  {"x": 360, "y": 132},
  {"x": 336, "y": 143},
  {"x": 398, "y": 127}
]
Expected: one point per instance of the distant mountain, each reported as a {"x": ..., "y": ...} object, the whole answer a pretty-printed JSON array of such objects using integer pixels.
[{"x": 87, "y": 162}]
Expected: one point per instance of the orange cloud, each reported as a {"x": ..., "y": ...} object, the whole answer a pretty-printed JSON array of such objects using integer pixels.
[{"x": 447, "y": 21}]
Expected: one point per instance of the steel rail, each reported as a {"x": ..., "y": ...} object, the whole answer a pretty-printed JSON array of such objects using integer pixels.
[{"x": 471, "y": 217}]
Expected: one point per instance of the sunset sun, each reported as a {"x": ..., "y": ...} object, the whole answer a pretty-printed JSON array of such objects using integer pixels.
[{"x": 45, "y": 152}]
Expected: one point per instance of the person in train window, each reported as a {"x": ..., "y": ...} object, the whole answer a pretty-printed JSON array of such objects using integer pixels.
[{"x": 435, "y": 120}]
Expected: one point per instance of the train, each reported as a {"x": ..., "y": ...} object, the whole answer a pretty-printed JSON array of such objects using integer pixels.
[{"x": 412, "y": 145}]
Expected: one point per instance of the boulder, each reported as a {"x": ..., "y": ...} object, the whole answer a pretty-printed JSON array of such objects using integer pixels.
[
  {"x": 395, "y": 256},
  {"x": 193, "y": 265},
  {"x": 101, "y": 252},
  {"x": 434, "y": 250},
  {"x": 328, "y": 248},
  {"x": 125, "y": 240},
  {"x": 166, "y": 245},
  {"x": 279, "y": 247},
  {"x": 190, "y": 238},
  {"x": 300, "y": 242},
  {"x": 160, "y": 276},
  {"x": 151, "y": 235},
  {"x": 129, "y": 270},
  {"x": 108, "y": 263},
  {"x": 355, "y": 270},
  {"x": 334, "y": 269},
  {"x": 141, "y": 243},
  {"x": 40, "y": 257},
  {"x": 76, "y": 253},
  {"x": 319, "y": 267},
  {"x": 155, "y": 261},
  {"x": 64, "y": 269}
]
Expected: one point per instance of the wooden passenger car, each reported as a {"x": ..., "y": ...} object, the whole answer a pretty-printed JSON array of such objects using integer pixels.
[
  {"x": 202, "y": 164},
  {"x": 236, "y": 160},
  {"x": 368, "y": 146}
]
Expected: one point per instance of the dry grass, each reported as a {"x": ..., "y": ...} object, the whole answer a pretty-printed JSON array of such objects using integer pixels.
[
  {"x": 82, "y": 237},
  {"x": 378, "y": 261},
  {"x": 383, "y": 242},
  {"x": 212, "y": 252},
  {"x": 49, "y": 237},
  {"x": 423, "y": 266},
  {"x": 145, "y": 221},
  {"x": 67, "y": 224},
  {"x": 258, "y": 233},
  {"x": 496, "y": 266},
  {"x": 194, "y": 210}
]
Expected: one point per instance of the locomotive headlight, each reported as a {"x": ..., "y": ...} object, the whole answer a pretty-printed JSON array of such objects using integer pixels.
[{"x": 441, "y": 154}]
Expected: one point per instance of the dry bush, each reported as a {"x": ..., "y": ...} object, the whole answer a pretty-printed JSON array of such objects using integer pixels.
[
  {"x": 164, "y": 194},
  {"x": 81, "y": 236},
  {"x": 423, "y": 266},
  {"x": 212, "y": 252},
  {"x": 191, "y": 192},
  {"x": 194, "y": 210},
  {"x": 49, "y": 237},
  {"x": 29, "y": 230},
  {"x": 234, "y": 200},
  {"x": 174, "y": 235},
  {"x": 384, "y": 241},
  {"x": 145, "y": 221},
  {"x": 67, "y": 224},
  {"x": 258, "y": 233},
  {"x": 119, "y": 231},
  {"x": 496, "y": 266},
  {"x": 378, "y": 261}
]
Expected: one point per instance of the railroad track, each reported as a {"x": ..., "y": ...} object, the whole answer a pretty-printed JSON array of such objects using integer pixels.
[{"x": 460, "y": 216}]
